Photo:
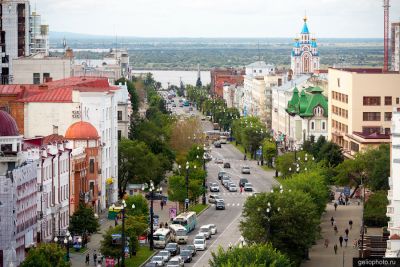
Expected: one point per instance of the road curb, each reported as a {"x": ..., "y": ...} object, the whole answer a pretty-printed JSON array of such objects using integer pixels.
[
  {"x": 148, "y": 259},
  {"x": 208, "y": 206}
]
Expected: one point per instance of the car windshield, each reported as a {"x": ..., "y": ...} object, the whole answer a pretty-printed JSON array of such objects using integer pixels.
[
  {"x": 186, "y": 252},
  {"x": 189, "y": 247},
  {"x": 163, "y": 253},
  {"x": 198, "y": 241},
  {"x": 173, "y": 262},
  {"x": 170, "y": 245},
  {"x": 203, "y": 230},
  {"x": 214, "y": 184},
  {"x": 157, "y": 258},
  {"x": 158, "y": 237},
  {"x": 248, "y": 184}
]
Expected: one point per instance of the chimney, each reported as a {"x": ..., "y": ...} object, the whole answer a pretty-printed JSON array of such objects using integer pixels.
[
  {"x": 43, "y": 87},
  {"x": 48, "y": 79},
  {"x": 55, "y": 129}
]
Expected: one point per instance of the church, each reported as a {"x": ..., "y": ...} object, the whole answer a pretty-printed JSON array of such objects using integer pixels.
[{"x": 305, "y": 55}]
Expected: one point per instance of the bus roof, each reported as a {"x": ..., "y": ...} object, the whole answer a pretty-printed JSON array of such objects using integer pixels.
[
  {"x": 162, "y": 231},
  {"x": 185, "y": 215},
  {"x": 177, "y": 227}
]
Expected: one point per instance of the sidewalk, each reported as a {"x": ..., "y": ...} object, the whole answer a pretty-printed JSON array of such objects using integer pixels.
[{"x": 321, "y": 256}]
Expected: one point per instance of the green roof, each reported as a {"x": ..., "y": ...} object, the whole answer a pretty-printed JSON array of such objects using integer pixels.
[{"x": 309, "y": 99}]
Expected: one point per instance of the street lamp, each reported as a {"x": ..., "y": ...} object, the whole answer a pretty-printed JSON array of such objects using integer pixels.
[
  {"x": 151, "y": 190},
  {"x": 187, "y": 187},
  {"x": 205, "y": 175},
  {"x": 67, "y": 241}
]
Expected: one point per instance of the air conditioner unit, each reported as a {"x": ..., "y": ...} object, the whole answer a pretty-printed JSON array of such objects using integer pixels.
[
  {"x": 39, "y": 215},
  {"x": 39, "y": 187}
]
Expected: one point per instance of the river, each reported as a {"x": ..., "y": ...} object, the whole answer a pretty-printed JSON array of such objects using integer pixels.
[{"x": 173, "y": 76}]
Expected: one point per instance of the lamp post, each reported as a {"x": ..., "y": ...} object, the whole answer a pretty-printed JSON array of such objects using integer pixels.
[
  {"x": 276, "y": 157},
  {"x": 151, "y": 190},
  {"x": 205, "y": 176},
  {"x": 187, "y": 186},
  {"x": 67, "y": 241},
  {"x": 123, "y": 234}
]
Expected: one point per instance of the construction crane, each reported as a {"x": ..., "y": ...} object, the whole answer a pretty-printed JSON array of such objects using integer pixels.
[{"x": 386, "y": 5}]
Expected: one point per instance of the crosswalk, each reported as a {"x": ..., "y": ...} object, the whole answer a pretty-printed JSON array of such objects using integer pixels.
[
  {"x": 234, "y": 193},
  {"x": 233, "y": 205}
]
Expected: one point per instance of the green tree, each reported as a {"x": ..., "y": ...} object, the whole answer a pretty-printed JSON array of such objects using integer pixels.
[
  {"x": 291, "y": 224},
  {"x": 375, "y": 210},
  {"x": 141, "y": 205},
  {"x": 331, "y": 153},
  {"x": 46, "y": 255},
  {"x": 317, "y": 146},
  {"x": 83, "y": 221},
  {"x": 107, "y": 248},
  {"x": 198, "y": 82},
  {"x": 177, "y": 188},
  {"x": 249, "y": 256},
  {"x": 269, "y": 151}
]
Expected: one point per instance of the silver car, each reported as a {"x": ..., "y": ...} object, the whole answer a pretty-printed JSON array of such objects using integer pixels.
[
  {"x": 232, "y": 188},
  {"x": 214, "y": 187},
  {"x": 166, "y": 254},
  {"x": 246, "y": 170},
  {"x": 176, "y": 261},
  {"x": 159, "y": 260}
]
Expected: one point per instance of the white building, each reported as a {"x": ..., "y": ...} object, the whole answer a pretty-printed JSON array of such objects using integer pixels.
[
  {"x": 79, "y": 98},
  {"x": 124, "y": 111},
  {"x": 229, "y": 94},
  {"x": 305, "y": 55},
  {"x": 393, "y": 208},
  {"x": 395, "y": 45},
  {"x": 39, "y": 35},
  {"x": 15, "y": 36},
  {"x": 38, "y": 68},
  {"x": 18, "y": 195}
]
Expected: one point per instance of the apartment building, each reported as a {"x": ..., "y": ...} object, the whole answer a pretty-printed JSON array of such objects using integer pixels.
[{"x": 360, "y": 107}]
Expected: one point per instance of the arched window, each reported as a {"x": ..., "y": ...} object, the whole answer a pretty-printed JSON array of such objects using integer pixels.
[
  {"x": 312, "y": 125},
  {"x": 318, "y": 111}
]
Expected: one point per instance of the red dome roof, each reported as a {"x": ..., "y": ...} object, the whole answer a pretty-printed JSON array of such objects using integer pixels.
[
  {"x": 8, "y": 126},
  {"x": 81, "y": 130},
  {"x": 395, "y": 237}
]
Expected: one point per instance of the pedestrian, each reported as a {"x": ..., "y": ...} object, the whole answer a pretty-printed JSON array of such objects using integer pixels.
[
  {"x": 87, "y": 261},
  {"x": 335, "y": 248},
  {"x": 94, "y": 257},
  {"x": 346, "y": 239},
  {"x": 335, "y": 229},
  {"x": 347, "y": 231},
  {"x": 347, "y": 200},
  {"x": 351, "y": 224},
  {"x": 326, "y": 243},
  {"x": 241, "y": 189},
  {"x": 116, "y": 220},
  {"x": 161, "y": 225},
  {"x": 245, "y": 157},
  {"x": 162, "y": 204},
  {"x": 335, "y": 205},
  {"x": 166, "y": 225},
  {"x": 340, "y": 240},
  {"x": 332, "y": 220}
]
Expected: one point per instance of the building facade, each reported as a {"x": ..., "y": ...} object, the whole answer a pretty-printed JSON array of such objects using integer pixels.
[
  {"x": 305, "y": 55},
  {"x": 395, "y": 45},
  {"x": 15, "y": 35},
  {"x": 393, "y": 208},
  {"x": 18, "y": 195},
  {"x": 360, "y": 107},
  {"x": 222, "y": 76},
  {"x": 39, "y": 39},
  {"x": 124, "y": 111}
]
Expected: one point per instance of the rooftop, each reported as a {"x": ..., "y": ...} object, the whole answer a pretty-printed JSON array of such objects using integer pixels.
[
  {"x": 364, "y": 70},
  {"x": 8, "y": 125}
]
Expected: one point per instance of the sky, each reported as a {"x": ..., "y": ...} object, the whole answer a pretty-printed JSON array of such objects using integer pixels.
[{"x": 217, "y": 18}]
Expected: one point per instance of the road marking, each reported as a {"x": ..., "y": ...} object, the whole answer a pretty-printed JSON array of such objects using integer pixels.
[{"x": 212, "y": 244}]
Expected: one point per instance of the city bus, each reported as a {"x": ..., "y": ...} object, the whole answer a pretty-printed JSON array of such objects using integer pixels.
[
  {"x": 178, "y": 233},
  {"x": 187, "y": 220},
  {"x": 161, "y": 237}
]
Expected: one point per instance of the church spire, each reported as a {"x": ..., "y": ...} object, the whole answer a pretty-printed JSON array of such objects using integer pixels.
[{"x": 198, "y": 82}]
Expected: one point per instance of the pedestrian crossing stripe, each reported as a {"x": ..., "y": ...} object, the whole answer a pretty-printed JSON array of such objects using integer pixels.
[{"x": 230, "y": 204}]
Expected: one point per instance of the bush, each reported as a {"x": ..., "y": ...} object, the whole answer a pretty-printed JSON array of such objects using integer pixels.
[{"x": 375, "y": 210}]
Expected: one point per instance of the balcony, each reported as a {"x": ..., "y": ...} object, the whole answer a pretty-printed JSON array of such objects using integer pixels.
[{"x": 390, "y": 194}]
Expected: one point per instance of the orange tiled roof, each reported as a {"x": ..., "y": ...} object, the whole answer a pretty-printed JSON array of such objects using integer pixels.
[{"x": 81, "y": 130}]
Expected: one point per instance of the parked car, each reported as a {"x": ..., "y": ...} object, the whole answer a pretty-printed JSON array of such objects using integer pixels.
[
  {"x": 220, "y": 174},
  {"x": 217, "y": 144},
  {"x": 192, "y": 248},
  {"x": 248, "y": 187},
  {"x": 213, "y": 228},
  {"x": 176, "y": 262},
  {"x": 159, "y": 260},
  {"x": 173, "y": 248},
  {"x": 246, "y": 170},
  {"x": 213, "y": 198},
  {"x": 200, "y": 244},
  {"x": 227, "y": 165},
  {"x": 233, "y": 188},
  {"x": 156, "y": 196},
  {"x": 206, "y": 230},
  {"x": 242, "y": 182},
  {"x": 186, "y": 255},
  {"x": 166, "y": 254},
  {"x": 214, "y": 187},
  {"x": 220, "y": 204},
  {"x": 219, "y": 161}
]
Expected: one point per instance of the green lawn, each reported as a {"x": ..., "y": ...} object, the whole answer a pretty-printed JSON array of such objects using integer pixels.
[
  {"x": 81, "y": 251},
  {"x": 198, "y": 208},
  {"x": 141, "y": 256}
]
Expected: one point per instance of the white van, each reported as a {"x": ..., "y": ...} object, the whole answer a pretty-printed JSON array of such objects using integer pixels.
[
  {"x": 161, "y": 237},
  {"x": 178, "y": 233},
  {"x": 206, "y": 230}
]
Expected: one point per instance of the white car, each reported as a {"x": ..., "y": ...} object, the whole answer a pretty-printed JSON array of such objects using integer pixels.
[
  {"x": 159, "y": 260},
  {"x": 219, "y": 161},
  {"x": 206, "y": 230},
  {"x": 176, "y": 261},
  {"x": 200, "y": 244},
  {"x": 213, "y": 228},
  {"x": 166, "y": 254},
  {"x": 201, "y": 236},
  {"x": 214, "y": 187},
  {"x": 232, "y": 188},
  {"x": 246, "y": 170},
  {"x": 248, "y": 187}
]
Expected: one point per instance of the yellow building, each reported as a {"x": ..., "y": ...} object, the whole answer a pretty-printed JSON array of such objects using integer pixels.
[{"x": 360, "y": 107}]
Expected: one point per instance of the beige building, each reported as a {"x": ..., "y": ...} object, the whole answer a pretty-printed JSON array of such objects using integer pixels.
[
  {"x": 38, "y": 68},
  {"x": 360, "y": 107}
]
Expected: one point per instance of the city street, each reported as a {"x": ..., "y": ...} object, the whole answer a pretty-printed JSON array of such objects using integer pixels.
[{"x": 227, "y": 221}]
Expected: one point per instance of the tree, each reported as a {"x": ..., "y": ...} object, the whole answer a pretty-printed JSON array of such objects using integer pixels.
[
  {"x": 83, "y": 221},
  {"x": 177, "y": 188},
  {"x": 252, "y": 256},
  {"x": 141, "y": 205},
  {"x": 107, "y": 247},
  {"x": 46, "y": 255},
  {"x": 316, "y": 148},
  {"x": 269, "y": 151},
  {"x": 375, "y": 210},
  {"x": 331, "y": 153},
  {"x": 198, "y": 82},
  {"x": 291, "y": 224}
]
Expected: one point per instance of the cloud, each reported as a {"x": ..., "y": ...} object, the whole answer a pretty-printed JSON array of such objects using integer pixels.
[{"x": 217, "y": 18}]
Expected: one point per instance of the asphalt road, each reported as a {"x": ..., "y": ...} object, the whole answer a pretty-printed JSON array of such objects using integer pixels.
[{"x": 227, "y": 221}]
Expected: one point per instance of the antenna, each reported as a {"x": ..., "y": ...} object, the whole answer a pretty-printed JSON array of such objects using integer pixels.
[{"x": 386, "y": 5}]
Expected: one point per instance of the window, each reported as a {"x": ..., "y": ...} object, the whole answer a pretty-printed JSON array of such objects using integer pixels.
[
  {"x": 323, "y": 125},
  {"x": 119, "y": 115},
  {"x": 318, "y": 111},
  {"x": 371, "y": 116},
  {"x": 312, "y": 125},
  {"x": 387, "y": 131},
  {"x": 36, "y": 78},
  {"x": 260, "y": 71},
  {"x": 338, "y": 82},
  {"x": 46, "y": 77},
  {"x": 255, "y": 71},
  {"x": 388, "y": 116},
  {"x": 388, "y": 100},
  {"x": 91, "y": 166},
  {"x": 397, "y": 100},
  {"x": 371, "y": 130},
  {"x": 354, "y": 146},
  {"x": 119, "y": 134},
  {"x": 372, "y": 100}
]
